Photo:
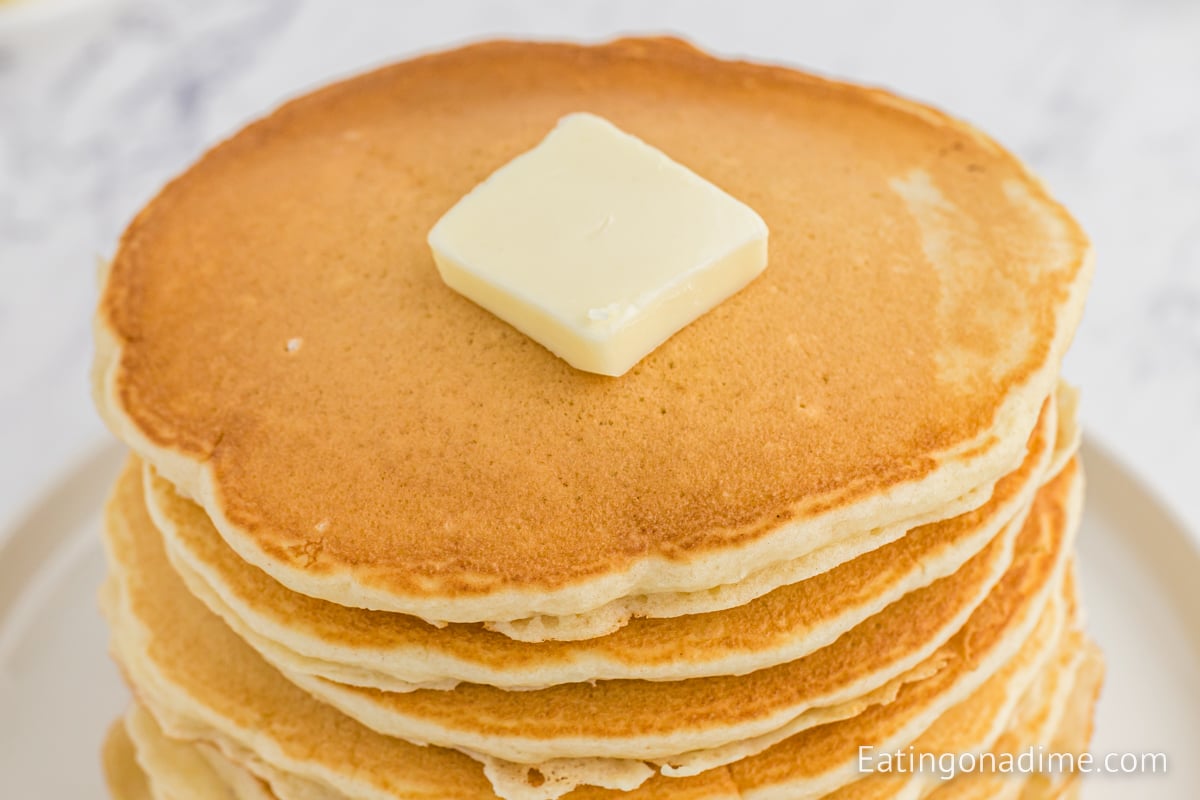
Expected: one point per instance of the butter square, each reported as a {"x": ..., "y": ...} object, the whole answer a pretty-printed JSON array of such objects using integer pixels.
[{"x": 597, "y": 245}]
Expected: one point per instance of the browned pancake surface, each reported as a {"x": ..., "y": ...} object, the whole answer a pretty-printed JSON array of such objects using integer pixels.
[
  {"x": 773, "y": 620},
  {"x": 421, "y": 446}
]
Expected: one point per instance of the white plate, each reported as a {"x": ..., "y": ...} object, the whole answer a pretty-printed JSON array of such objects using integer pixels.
[{"x": 59, "y": 691}]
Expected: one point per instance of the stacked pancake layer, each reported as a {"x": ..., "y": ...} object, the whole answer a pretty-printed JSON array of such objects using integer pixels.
[{"x": 461, "y": 579}]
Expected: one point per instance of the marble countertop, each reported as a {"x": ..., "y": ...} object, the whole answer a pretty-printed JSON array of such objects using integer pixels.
[{"x": 101, "y": 105}]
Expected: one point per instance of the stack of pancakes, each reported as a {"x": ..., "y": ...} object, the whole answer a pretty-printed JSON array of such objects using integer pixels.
[{"x": 373, "y": 543}]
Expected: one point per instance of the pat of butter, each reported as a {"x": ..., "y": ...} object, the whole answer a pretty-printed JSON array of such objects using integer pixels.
[{"x": 597, "y": 245}]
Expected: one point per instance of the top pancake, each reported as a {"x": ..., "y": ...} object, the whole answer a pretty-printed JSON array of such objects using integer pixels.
[{"x": 417, "y": 454}]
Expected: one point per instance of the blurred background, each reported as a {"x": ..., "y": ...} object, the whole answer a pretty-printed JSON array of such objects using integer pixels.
[{"x": 101, "y": 101}]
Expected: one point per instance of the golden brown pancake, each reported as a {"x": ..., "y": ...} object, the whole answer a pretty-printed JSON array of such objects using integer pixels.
[
  {"x": 1075, "y": 731},
  {"x": 202, "y": 682},
  {"x": 972, "y": 726},
  {"x": 416, "y": 454},
  {"x": 177, "y": 771},
  {"x": 124, "y": 777},
  {"x": 1014, "y": 702},
  {"x": 346, "y": 754},
  {"x": 164, "y": 623},
  {"x": 1073, "y": 722},
  {"x": 637, "y": 719},
  {"x": 393, "y": 651},
  {"x": 644, "y": 718}
]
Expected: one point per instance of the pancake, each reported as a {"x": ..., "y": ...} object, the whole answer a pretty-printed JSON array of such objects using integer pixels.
[
  {"x": 640, "y": 720},
  {"x": 663, "y": 605},
  {"x": 1035, "y": 726},
  {"x": 820, "y": 761},
  {"x": 399, "y": 653},
  {"x": 178, "y": 771},
  {"x": 289, "y": 787},
  {"x": 124, "y": 777},
  {"x": 416, "y": 454},
  {"x": 339, "y": 750},
  {"x": 1075, "y": 732},
  {"x": 995, "y": 628},
  {"x": 958, "y": 730},
  {"x": 1060, "y": 732},
  {"x": 202, "y": 682},
  {"x": 754, "y": 705},
  {"x": 1058, "y": 702},
  {"x": 615, "y": 615},
  {"x": 1068, "y": 433},
  {"x": 1002, "y": 707}
]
